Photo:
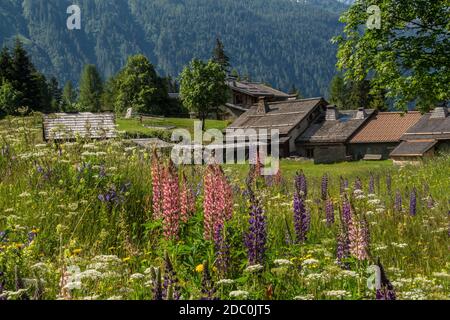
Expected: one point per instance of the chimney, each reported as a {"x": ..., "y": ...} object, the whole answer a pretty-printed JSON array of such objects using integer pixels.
[
  {"x": 263, "y": 106},
  {"x": 440, "y": 112},
  {"x": 361, "y": 114},
  {"x": 332, "y": 113}
]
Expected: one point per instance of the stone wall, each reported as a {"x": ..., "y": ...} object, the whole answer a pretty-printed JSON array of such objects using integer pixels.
[{"x": 330, "y": 153}]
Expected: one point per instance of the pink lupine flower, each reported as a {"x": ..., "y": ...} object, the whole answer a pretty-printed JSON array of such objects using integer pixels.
[
  {"x": 170, "y": 203},
  {"x": 218, "y": 201},
  {"x": 187, "y": 201},
  {"x": 156, "y": 186},
  {"x": 358, "y": 238}
]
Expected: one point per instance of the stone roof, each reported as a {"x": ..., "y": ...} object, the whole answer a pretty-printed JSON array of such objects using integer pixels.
[
  {"x": 386, "y": 127},
  {"x": 416, "y": 148},
  {"x": 335, "y": 131},
  {"x": 256, "y": 89},
  {"x": 430, "y": 127},
  {"x": 284, "y": 115}
]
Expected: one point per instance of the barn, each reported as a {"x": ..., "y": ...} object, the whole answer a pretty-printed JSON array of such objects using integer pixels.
[
  {"x": 326, "y": 139},
  {"x": 379, "y": 136},
  {"x": 291, "y": 118},
  {"x": 431, "y": 134}
]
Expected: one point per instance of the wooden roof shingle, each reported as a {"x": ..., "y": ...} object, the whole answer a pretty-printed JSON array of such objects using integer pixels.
[
  {"x": 415, "y": 148},
  {"x": 67, "y": 126},
  {"x": 429, "y": 128},
  {"x": 386, "y": 127},
  {"x": 334, "y": 131},
  {"x": 284, "y": 116}
]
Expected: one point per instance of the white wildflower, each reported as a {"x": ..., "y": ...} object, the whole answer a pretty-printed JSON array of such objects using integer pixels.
[
  {"x": 91, "y": 274},
  {"x": 225, "y": 282},
  {"x": 305, "y": 297},
  {"x": 308, "y": 262},
  {"x": 137, "y": 276},
  {"x": 254, "y": 268},
  {"x": 283, "y": 262},
  {"x": 239, "y": 294},
  {"x": 337, "y": 294}
]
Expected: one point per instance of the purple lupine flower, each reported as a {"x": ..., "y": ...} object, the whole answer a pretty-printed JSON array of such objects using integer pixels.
[
  {"x": 386, "y": 290},
  {"x": 157, "y": 286},
  {"x": 256, "y": 237},
  {"x": 329, "y": 210},
  {"x": 413, "y": 202},
  {"x": 389, "y": 183},
  {"x": 342, "y": 250},
  {"x": 371, "y": 184},
  {"x": 302, "y": 219},
  {"x": 398, "y": 201},
  {"x": 358, "y": 184},
  {"x": 208, "y": 289},
  {"x": 346, "y": 213},
  {"x": 324, "y": 187},
  {"x": 222, "y": 252},
  {"x": 170, "y": 288},
  {"x": 301, "y": 184},
  {"x": 31, "y": 236}
]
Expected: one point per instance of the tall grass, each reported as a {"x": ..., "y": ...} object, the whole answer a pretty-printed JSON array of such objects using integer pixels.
[{"x": 80, "y": 213}]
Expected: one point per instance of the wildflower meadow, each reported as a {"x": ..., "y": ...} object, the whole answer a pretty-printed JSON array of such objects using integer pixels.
[{"x": 106, "y": 220}]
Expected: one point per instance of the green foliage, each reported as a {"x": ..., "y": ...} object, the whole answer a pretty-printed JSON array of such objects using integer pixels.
[
  {"x": 9, "y": 99},
  {"x": 91, "y": 89},
  {"x": 69, "y": 97},
  {"x": 278, "y": 41},
  {"x": 203, "y": 88},
  {"x": 356, "y": 94},
  {"x": 138, "y": 86},
  {"x": 407, "y": 56},
  {"x": 55, "y": 218},
  {"x": 220, "y": 57}
]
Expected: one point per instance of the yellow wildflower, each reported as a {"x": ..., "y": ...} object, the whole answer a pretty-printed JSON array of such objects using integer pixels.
[{"x": 199, "y": 268}]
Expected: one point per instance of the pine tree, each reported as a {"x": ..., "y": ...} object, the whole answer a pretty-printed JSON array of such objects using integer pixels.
[
  {"x": 24, "y": 78},
  {"x": 359, "y": 94},
  {"x": 220, "y": 57},
  {"x": 91, "y": 88},
  {"x": 295, "y": 91},
  {"x": 5, "y": 64},
  {"x": 69, "y": 97},
  {"x": 55, "y": 94},
  {"x": 338, "y": 92}
]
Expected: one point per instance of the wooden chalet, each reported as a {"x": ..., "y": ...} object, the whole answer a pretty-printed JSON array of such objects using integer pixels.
[
  {"x": 291, "y": 118},
  {"x": 245, "y": 94},
  {"x": 429, "y": 135},
  {"x": 326, "y": 139},
  {"x": 379, "y": 136}
]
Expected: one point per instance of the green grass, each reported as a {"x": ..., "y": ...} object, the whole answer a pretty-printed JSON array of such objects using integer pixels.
[
  {"x": 133, "y": 126},
  {"x": 347, "y": 169},
  {"x": 55, "y": 192}
]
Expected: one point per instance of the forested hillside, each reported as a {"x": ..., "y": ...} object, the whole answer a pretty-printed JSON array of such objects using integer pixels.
[{"x": 281, "y": 42}]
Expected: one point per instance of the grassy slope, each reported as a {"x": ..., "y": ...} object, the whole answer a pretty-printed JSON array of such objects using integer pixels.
[{"x": 133, "y": 125}]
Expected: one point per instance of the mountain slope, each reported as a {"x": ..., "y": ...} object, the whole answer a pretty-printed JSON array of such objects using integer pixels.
[{"x": 281, "y": 42}]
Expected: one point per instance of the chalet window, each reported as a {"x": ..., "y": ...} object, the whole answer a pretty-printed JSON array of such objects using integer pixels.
[
  {"x": 238, "y": 100},
  {"x": 310, "y": 153}
]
